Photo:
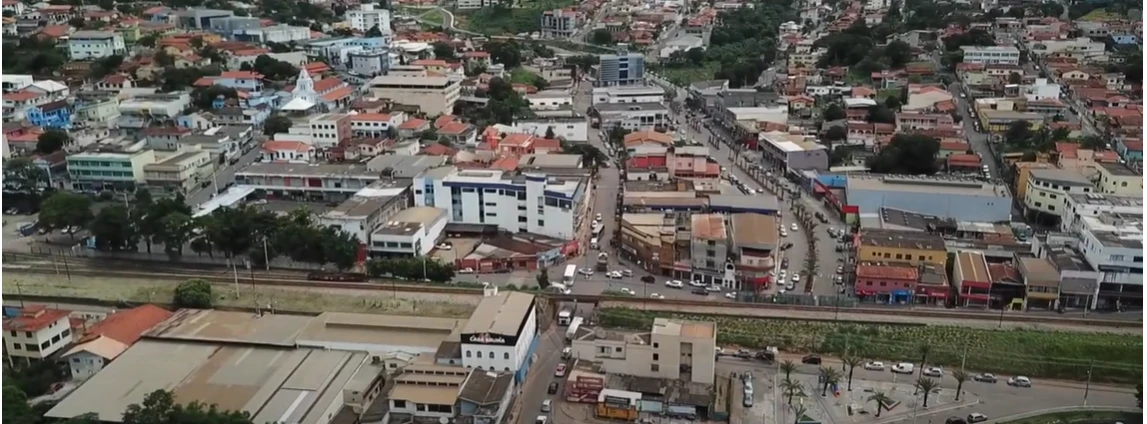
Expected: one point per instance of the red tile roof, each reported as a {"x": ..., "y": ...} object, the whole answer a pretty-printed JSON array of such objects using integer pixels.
[
  {"x": 956, "y": 146},
  {"x": 34, "y": 318},
  {"x": 441, "y": 121},
  {"x": 21, "y": 96},
  {"x": 887, "y": 272},
  {"x": 412, "y": 124},
  {"x": 327, "y": 84},
  {"x": 438, "y": 150},
  {"x": 283, "y": 146},
  {"x": 370, "y": 117},
  {"x": 338, "y": 94},
  {"x": 454, "y": 128},
  {"x": 963, "y": 159},
  {"x": 127, "y": 326},
  {"x": 241, "y": 75},
  {"x": 516, "y": 139},
  {"x": 508, "y": 163}
]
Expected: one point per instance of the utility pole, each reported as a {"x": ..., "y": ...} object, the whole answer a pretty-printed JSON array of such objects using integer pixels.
[
  {"x": 964, "y": 358},
  {"x": 1087, "y": 387}
]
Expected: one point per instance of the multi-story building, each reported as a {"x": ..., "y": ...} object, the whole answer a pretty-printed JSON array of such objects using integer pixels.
[
  {"x": 904, "y": 246},
  {"x": 560, "y": 23},
  {"x": 89, "y": 45},
  {"x": 37, "y": 333},
  {"x": 179, "y": 174},
  {"x": 412, "y": 232},
  {"x": 887, "y": 283},
  {"x": 962, "y": 199},
  {"x": 501, "y": 335},
  {"x": 1118, "y": 179},
  {"x": 628, "y": 94},
  {"x": 672, "y": 350},
  {"x": 1081, "y": 49},
  {"x": 432, "y": 95},
  {"x": 1112, "y": 243},
  {"x": 273, "y": 34},
  {"x": 152, "y": 110},
  {"x": 474, "y": 4},
  {"x": 621, "y": 69},
  {"x": 972, "y": 279},
  {"x": 550, "y": 206},
  {"x": 795, "y": 152},
  {"x": 923, "y": 121},
  {"x": 16, "y": 82},
  {"x": 322, "y": 182},
  {"x": 991, "y": 55},
  {"x": 118, "y": 171},
  {"x": 632, "y": 116},
  {"x": 369, "y": 208},
  {"x": 709, "y": 249},
  {"x": 375, "y": 124},
  {"x": 329, "y": 129},
  {"x": 369, "y": 63},
  {"x": 368, "y": 16},
  {"x": 200, "y": 18},
  {"x": 1048, "y": 190},
  {"x": 550, "y": 100},
  {"x": 573, "y": 128},
  {"x": 1079, "y": 205}
]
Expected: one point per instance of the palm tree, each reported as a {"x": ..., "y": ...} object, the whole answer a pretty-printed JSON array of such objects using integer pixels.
[
  {"x": 792, "y": 389},
  {"x": 852, "y": 362},
  {"x": 924, "y": 351},
  {"x": 829, "y": 376},
  {"x": 788, "y": 366},
  {"x": 799, "y": 410},
  {"x": 926, "y": 385},
  {"x": 961, "y": 376},
  {"x": 880, "y": 398}
]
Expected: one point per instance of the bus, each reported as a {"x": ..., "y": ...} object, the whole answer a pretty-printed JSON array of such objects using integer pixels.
[{"x": 568, "y": 277}]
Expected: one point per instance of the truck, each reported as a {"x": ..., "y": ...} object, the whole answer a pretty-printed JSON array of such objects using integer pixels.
[
  {"x": 564, "y": 317},
  {"x": 603, "y": 262},
  {"x": 575, "y": 323}
]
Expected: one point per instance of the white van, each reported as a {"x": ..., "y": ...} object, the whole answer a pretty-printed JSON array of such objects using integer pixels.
[
  {"x": 567, "y": 352},
  {"x": 593, "y": 243}
]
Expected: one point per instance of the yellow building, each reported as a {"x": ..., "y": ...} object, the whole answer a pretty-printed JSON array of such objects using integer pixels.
[
  {"x": 998, "y": 121},
  {"x": 1117, "y": 178},
  {"x": 130, "y": 34},
  {"x": 911, "y": 247},
  {"x": 1022, "y": 171}
]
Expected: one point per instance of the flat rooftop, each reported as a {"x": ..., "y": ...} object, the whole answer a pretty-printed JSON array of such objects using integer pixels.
[
  {"x": 1060, "y": 176},
  {"x": 308, "y": 170},
  {"x": 502, "y": 314},
  {"x": 630, "y": 107},
  {"x": 761, "y": 202},
  {"x": 208, "y": 325},
  {"x": 1118, "y": 169},
  {"x": 551, "y": 161},
  {"x": 271, "y": 384},
  {"x": 754, "y": 229},
  {"x": 1116, "y": 229},
  {"x": 902, "y": 239},
  {"x": 931, "y": 185},
  {"x": 681, "y": 328},
  {"x": 1098, "y": 199},
  {"x": 410, "y": 220},
  {"x": 388, "y": 81},
  {"x": 400, "y": 331},
  {"x": 709, "y": 227}
]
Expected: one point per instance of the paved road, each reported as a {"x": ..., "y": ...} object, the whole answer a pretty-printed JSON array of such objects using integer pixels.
[
  {"x": 222, "y": 176},
  {"x": 534, "y": 389}
]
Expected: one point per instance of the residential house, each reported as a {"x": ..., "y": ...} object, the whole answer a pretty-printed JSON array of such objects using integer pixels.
[
  {"x": 287, "y": 151},
  {"x": 37, "y": 333},
  {"x": 109, "y": 338},
  {"x": 54, "y": 115}
]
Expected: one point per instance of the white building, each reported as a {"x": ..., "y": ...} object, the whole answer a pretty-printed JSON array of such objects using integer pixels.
[
  {"x": 1048, "y": 189},
  {"x": 370, "y": 63},
  {"x": 501, "y": 333},
  {"x": 572, "y": 128},
  {"x": 89, "y": 45},
  {"x": 550, "y": 100},
  {"x": 554, "y": 207},
  {"x": 274, "y": 34},
  {"x": 328, "y": 129},
  {"x": 1113, "y": 244},
  {"x": 413, "y": 232},
  {"x": 286, "y": 151},
  {"x": 37, "y": 333},
  {"x": 152, "y": 109},
  {"x": 1042, "y": 89},
  {"x": 367, "y": 210},
  {"x": 367, "y": 17},
  {"x": 432, "y": 95},
  {"x": 1080, "y": 205},
  {"x": 12, "y": 82},
  {"x": 628, "y": 94},
  {"x": 992, "y": 55},
  {"x": 632, "y": 116},
  {"x": 474, "y": 4}
]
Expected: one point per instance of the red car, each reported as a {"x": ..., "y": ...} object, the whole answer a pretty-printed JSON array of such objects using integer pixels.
[{"x": 560, "y": 371}]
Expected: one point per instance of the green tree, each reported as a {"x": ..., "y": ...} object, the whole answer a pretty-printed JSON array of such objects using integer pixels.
[
  {"x": 829, "y": 376},
  {"x": 791, "y": 389},
  {"x": 159, "y": 407},
  {"x": 881, "y": 114},
  {"x": 204, "y": 97},
  {"x": 550, "y": 133},
  {"x": 696, "y": 56},
  {"x": 788, "y": 367},
  {"x": 926, "y": 385},
  {"x": 1015, "y": 78},
  {"x": 178, "y": 229},
  {"x": 833, "y": 113},
  {"x": 444, "y": 51},
  {"x": 924, "y": 350},
  {"x": 881, "y": 400},
  {"x": 836, "y": 133},
  {"x": 799, "y": 411},
  {"x": 907, "y": 154},
  {"x": 1093, "y": 142},
  {"x": 276, "y": 124},
  {"x": 543, "y": 278},
  {"x": 193, "y": 294},
  {"x": 373, "y": 32},
  {"x": 591, "y": 156},
  {"x": 51, "y": 141},
  {"x": 852, "y": 362},
  {"x": 21, "y": 175},
  {"x": 960, "y": 376},
  {"x": 66, "y": 209},
  {"x": 601, "y": 37},
  {"x": 147, "y": 40},
  {"x": 16, "y": 407},
  {"x": 893, "y": 103},
  {"x": 113, "y": 229},
  {"x": 507, "y": 53}
]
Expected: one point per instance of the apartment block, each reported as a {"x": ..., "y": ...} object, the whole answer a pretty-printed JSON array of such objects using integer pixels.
[
  {"x": 91, "y": 45},
  {"x": 672, "y": 350},
  {"x": 367, "y": 16},
  {"x": 559, "y": 23},
  {"x": 118, "y": 171},
  {"x": 621, "y": 69},
  {"x": 1048, "y": 190},
  {"x": 991, "y": 55},
  {"x": 181, "y": 173},
  {"x": 432, "y": 95},
  {"x": 37, "y": 333}
]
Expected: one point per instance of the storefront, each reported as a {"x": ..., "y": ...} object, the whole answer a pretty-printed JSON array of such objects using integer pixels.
[{"x": 934, "y": 296}]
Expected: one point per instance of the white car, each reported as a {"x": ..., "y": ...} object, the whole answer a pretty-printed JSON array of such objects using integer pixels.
[
  {"x": 934, "y": 372},
  {"x": 444, "y": 246},
  {"x": 784, "y": 233},
  {"x": 656, "y": 296},
  {"x": 874, "y": 366},
  {"x": 713, "y": 289},
  {"x": 674, "y": 284},
  {"x": 730, "y": 295},
  {"x": 781, "y": 275},
  {"x": 626, "y": 290},
  {"x": 903, "y": 368},
  {"x": 597, "y": 218},
  {"x": 613, "y": 275},
  {"x": 696, "y": 284},
  {"x": 466, "y": 271},
  {"x": 1020, "y": 381},
  {"x": 790, "y": 286},
  {"x": 627, "y": 273},
  {"x": 796, "y": 277},
  {"x": 794, "y": 227},
  {"x": 585, "y": 271}
]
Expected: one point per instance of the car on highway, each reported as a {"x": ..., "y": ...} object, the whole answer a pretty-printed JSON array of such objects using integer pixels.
[
  {"x": 700, "y": 291},
  {"x": 656, "y": 296},
  {"x": 730, "y": 295},
  {"x": 616, "y": 275},
  {"x": 547, "y": 405},
  {"x": 794, "y": 227},
  {"x": 811, "y": 359},
  {"x": 976, "y": 417},
  {"x": 541, "y": 419},
  {"x": 586, "y": 272},
  {"x": 903, "y": 368},
  {"x": 560, "y": 371},
  {"x": 628, "y": 291},
  {"x": 597, "y": 218},
  {"x": 782, "y": 275},
  {"x": 933, "y": 372},
  {"x": 676, "y": 284},
  {"x": 986, "y": 377},
  {"x": 874, "y": 366},
  {"x": 1020, "y": 381}
]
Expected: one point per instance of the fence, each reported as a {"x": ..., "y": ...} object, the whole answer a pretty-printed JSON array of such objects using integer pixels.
[{"x": 158, "y": 256}]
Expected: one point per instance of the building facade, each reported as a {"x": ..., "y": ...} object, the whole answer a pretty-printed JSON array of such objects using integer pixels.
[
  {"x": 991, "y": 55},
  {"x": 502, "y": 334},
  {"x": 37, "y": 333},
  {"x": 623, "y": 69},
  {"x": 666, "y": 352},
  {"x": 432, "y": 95},
  {"x": 98, "y": 171},
  {"x": 367, "y": 17},
  {"x": 90, "y": 45}
]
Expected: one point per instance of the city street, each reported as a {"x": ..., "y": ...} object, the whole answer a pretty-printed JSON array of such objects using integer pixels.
[
  {"x": 534, "y": 390},
  {"x": 222, "y": 176}
]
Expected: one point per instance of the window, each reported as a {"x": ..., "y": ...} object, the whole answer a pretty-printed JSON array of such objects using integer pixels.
[
  {"x": 656, "y": 345},
  {"x": 887, "y": 255},
  {"x": 656, "y": 356},
  {"x": 654, "y": 368},
  {"x": 491, "y": 354},
  {"x": 506, "y": 356},
  {"x": 17, "y": 346},
  {"x": 920, "y": 258},
  {"x": 28, "y": 334},
  {"x": 31, "y": 347},
  {"x": 541, "y": 223},
  {"x": 479, "y": 353},
  {"x": 617, "y": 349},
  {"x": 12, "y": 333},
  {"x": 1116, "y": 258},
  {"x": 883, "y": 283},
  {"x": 45, "y": 345},
  {"x": 467, "y": 354},
  {"x": 899, "y": 256},
  {"x": 56, "y": 339},
  {"x": 1051, "y": 207}
]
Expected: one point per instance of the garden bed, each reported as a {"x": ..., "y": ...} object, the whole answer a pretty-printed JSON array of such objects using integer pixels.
[{"x": 1115, "y": 358}]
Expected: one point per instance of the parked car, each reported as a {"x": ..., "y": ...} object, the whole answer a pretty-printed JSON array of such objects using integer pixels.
[
  {"x": 874, "y": 366},
  {"x": 628, "y": 291},
  {"x": 615, "y": 275},
  {"x": 696, "y": 284},
  {"x": 955, "y": 420},
  {"x": 553, "y": 389},
  {"x": 674, "y": 284},
  {"x": 903, "y": 368},
  {"x": 547, "y": 405},
  {"x": 627, "y": 273},
  {"x": 713, "y": 288},
  {"x": 656, "y": 296},
  {"x": 933, "y": 372},
  {"x": 700, "y": 291},
  {"x": 976, "y": 417},
  {"x": 794, "y": 227},
  {"x": 1020, "y": 381},
  {"x": 730, "y": 295},
  {"x": 560, "y": 371},
  {"x": 986, "y": 377},
  {"x": 585, "y": 271},
  {"x": 811, "y": 359}
]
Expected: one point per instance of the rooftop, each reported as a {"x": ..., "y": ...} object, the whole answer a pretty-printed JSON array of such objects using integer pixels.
[
  {"x": 899, "y": 272},
  {"x": 1118, "y": 169},
  {"x": 388, "y": 81},
  {"x": 1098, "y": 199},
  {"x": 754, "y": 229},
  {"x": 308, "y": 170},
  {"x": 502, "y": 314},
  {"x": 709, "y": 227},
  {"x": 926, "y": 184},
  {"x": 760, "y": 203},
  {"x": 973, "y": 266},
  {"x": 1060, "y": 176},
  {"x": 630, "y": 107},
  {"x": 34, "y": 318},
  {"x": 410, "y": 220},
  {"x": 902, "y": 239},
  {"x": 206, "y": 325},
  {"x": 399, "y": 331},
  {"x": 685, "y": 329},
  {"x": 1116, "y": 229}
]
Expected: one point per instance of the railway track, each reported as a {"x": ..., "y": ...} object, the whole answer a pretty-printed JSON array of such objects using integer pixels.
[{"x": 100, "y": 267}]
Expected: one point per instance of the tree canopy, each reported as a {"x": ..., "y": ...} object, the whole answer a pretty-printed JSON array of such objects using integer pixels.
[
  {"x": 907, "y": 154},
  {"x": 52, "y": 141}
]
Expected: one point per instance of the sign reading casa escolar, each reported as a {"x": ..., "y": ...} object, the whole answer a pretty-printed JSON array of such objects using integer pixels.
[{"x": 488, "y": 339}]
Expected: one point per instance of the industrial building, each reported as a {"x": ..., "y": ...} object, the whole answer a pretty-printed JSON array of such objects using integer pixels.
[{"x": 962, "y": 199}]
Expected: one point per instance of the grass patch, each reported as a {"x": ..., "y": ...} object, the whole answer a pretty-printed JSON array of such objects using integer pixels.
[
  {"x": 522, "y": 76},
  {"x": 1038, "y": 354},
  {"x": 1096, "y": 15},
  {"x": 1082, "y": 417},
  {"x": 884, "y": 94},
  {"x": 525, "y": 17},
  {"x": 683, "y": 76}
]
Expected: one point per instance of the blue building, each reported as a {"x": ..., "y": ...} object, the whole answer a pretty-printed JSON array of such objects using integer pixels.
[
  {"x": 55, "y": 115},
  {"x": 621, "y": 69},
  {"x": 1125, "y": 39}
]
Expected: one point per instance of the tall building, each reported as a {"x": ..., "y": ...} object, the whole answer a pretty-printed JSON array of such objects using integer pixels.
[
  {"x": 621, "y": 69},
  {"x": 559, "y": 23},
  {"x": 368, "y": 17}
]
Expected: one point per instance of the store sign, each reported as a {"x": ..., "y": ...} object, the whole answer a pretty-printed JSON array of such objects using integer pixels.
[{"x": 487, "y": 338}]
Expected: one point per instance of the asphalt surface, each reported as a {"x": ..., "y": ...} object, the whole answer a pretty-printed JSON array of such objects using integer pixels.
[{"x": 222, "y": 177}]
